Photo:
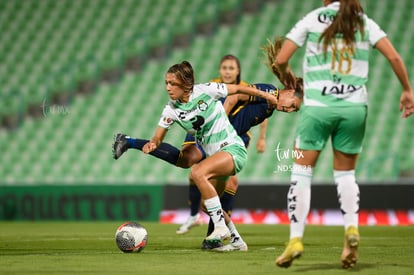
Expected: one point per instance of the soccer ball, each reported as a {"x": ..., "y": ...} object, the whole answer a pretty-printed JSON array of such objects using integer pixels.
[{"x": 131, "y": 237}]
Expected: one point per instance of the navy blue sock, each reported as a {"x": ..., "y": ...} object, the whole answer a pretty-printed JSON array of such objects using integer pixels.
[
  {"x": 227, "y": 200},
  {"x": 136, "y": 143},
  {"x": 165, "y": 151},
  {"x": 194, "y": 197}
]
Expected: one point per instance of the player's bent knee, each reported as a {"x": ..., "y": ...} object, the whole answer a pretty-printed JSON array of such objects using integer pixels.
[{"x": 196, "y": 174}]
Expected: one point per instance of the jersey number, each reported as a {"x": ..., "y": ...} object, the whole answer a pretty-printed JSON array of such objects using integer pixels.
[
  {"x": 343, "y": 58},
  {"x": 197, "y": 122}
]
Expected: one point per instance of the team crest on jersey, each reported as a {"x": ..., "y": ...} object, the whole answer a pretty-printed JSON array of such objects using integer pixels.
[{"x": 202, "y": 106}]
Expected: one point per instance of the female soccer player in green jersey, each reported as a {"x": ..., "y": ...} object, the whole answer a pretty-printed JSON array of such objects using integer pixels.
[
  {"x": 197, "y": 109},
  {"x": 338, "y": 38}
]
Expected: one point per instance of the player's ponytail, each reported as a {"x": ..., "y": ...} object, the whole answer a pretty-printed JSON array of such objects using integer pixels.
[
  {"x": 348, "y": 20},
  {"x": 271, "y": 50},
  {"x": 299, "y": 87}
]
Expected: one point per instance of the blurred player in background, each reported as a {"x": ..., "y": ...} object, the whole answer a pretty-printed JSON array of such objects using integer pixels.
[{"x": 338, "y": 37}]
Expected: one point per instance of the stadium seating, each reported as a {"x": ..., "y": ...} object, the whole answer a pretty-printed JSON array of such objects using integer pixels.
[
  {"x": 70, "y": 143},
  {"x": 49, "y": 46}
]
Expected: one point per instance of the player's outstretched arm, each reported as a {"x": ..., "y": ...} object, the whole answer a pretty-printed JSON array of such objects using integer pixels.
[
  {"x": 235, "y": 89},
  {"x": 232, "y": 100}
]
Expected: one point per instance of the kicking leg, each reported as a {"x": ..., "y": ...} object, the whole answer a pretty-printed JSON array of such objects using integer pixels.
[{"x": 185, "y": 158}]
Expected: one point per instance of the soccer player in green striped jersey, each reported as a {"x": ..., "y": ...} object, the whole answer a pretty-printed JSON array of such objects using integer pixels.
[
  {"x": 198, "y": 110},
  {"x": 338, "y": 38}
]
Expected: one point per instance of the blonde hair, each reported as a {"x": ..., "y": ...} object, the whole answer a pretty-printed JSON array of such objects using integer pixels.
[{"x": 271, "y": 50}]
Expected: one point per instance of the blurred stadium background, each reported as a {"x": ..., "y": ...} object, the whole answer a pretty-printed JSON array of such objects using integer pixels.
[{"x": 75, "y": 72}]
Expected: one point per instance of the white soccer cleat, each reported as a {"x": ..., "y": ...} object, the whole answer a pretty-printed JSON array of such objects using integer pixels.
[
  {"x": 235, "y": 245},
  {"x": 191, "y": 222},
  {"x": 220, "y": 233}
]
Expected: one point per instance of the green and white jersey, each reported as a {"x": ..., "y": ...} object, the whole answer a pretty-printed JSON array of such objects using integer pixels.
[
  {"x": 338, "y": 77},
  {"x": 203, "y": 116}
]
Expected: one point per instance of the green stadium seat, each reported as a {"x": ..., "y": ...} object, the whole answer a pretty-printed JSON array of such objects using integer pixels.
[{"x": 98, "y": 35}]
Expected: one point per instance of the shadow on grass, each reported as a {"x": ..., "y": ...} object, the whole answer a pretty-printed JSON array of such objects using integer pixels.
[{"x": 336, "y": 267}]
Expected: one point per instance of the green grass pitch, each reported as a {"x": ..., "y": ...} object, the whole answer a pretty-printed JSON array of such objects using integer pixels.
[{"x": 89, "y": 247}]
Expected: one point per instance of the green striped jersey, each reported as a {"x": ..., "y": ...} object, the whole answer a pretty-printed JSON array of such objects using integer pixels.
[
  {"x": 338, "y": 77},
  {"x": 203, "y": 116}
]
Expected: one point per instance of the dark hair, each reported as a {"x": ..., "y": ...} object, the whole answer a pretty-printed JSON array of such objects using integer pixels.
[
  {"x": 299, "y": 87},
  {"x": 185, "y": 73},
  {"x": 347, "y": 21},
  {"x": 232, "y": 57}
]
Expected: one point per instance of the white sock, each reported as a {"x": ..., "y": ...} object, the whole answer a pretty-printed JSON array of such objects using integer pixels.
[
  {"x": 213, "y": 207},
  {"x": 299, "y": 197},
  {"x": 348, "y": 196},
  {"x": 235, "y": 236}
]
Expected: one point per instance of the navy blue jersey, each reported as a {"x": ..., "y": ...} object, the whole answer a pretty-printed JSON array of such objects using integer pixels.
[
  {"x": 253, "y": 113},
  {"x": 246, "y": 115}
]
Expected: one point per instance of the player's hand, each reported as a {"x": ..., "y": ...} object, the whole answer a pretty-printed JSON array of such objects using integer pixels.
[
  {"x": 149, "y": 147},
  {"x": 261, "y": 145},
  {"x": 407, "y": 103}
]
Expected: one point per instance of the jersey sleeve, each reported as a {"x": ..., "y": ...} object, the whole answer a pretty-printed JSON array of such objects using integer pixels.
[
  {"x": 299, "y": 32},
  {"x": 216, "y": 90},
  {"x": 167, "y": 117},
  {"x": 374, "y": 31}
]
